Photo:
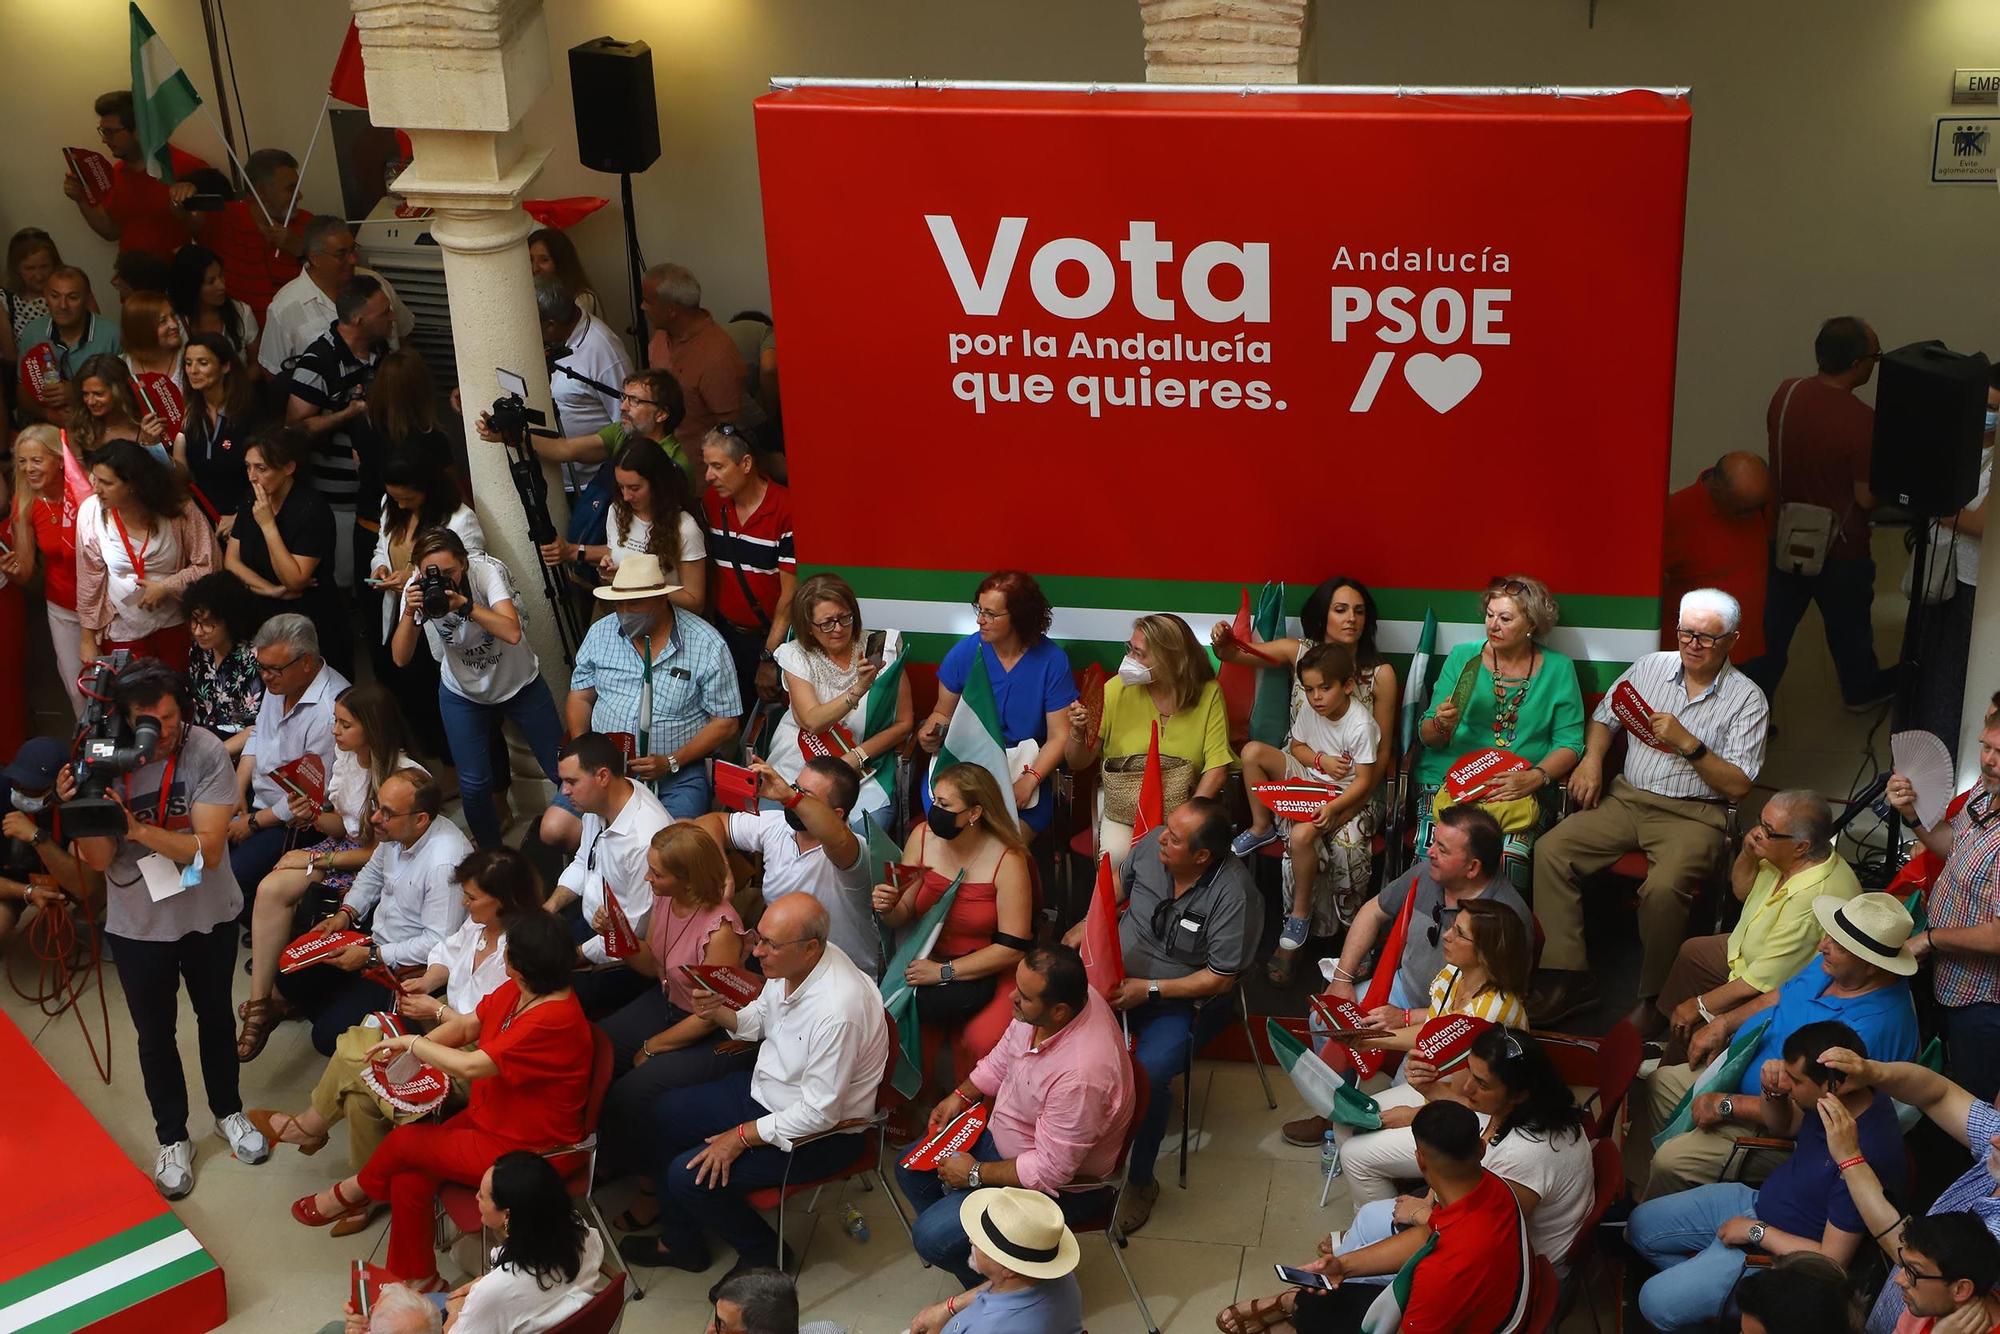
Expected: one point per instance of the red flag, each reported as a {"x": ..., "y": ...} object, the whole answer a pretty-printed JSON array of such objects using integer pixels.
[
  {"x": 1152, "y": 797},
  {"x": 349, "y": 83},
  {"x": 1238, "y": 681},
  {"x": 1103, "y": 954},
  {"x": 564, "y": 212},
  {"x": 1392, "y": 956}
]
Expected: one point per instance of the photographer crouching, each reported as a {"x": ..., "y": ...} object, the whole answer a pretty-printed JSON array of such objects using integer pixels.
[
  {"x": 26, "y": 849},
  {"x": 170, "y": 898}
]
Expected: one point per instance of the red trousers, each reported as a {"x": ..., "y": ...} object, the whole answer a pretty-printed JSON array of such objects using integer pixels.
[
  {"x": 407, "y": 1170},
  {"x": 169, "y": 645}
]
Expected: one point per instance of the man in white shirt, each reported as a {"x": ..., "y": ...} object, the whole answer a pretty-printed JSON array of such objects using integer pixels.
[
  {"x": 303, "y": 308},
  {"x": 620, "y": 818},
  {"x": 295, "y": 720},
  {"x": 824, "y": 1049},
  {"x": 808, "y": 847},
  {"x": 581, "y": 348},
  {"x": 411, "y": 885}
]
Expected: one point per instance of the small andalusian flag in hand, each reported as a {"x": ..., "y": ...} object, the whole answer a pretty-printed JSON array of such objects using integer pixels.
[
  {"x": 974, "y": 736},
  {"x": 899, "y": 997},
  {"x": 162, "y": 97}
]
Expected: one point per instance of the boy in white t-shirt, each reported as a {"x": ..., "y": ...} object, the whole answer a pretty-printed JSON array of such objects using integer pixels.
[{"x": 1330, "y": 741}]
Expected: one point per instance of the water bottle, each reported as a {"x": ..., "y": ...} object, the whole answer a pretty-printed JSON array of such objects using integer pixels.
[
  {"x": 856, "y": 1225},
  {"x": 1329, "y": 1157}
]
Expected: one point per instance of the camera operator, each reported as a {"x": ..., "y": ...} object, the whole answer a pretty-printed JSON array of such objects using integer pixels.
[
  {"x": 171, "y": 905},
  {"x": 465, "y": 607},
  {"x": 27, "y": 849}
]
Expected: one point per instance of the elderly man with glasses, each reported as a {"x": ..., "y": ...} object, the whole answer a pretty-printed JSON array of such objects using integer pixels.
[
  {"x": 1787, "y": 861},
  {"x": 1703, "y": 744},
  {"x": 824, "y": 1046},
  {"x": 295, "y": 720}
]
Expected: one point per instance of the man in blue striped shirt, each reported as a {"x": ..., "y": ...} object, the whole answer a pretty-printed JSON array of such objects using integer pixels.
[{"x": 1703, "y": 725}]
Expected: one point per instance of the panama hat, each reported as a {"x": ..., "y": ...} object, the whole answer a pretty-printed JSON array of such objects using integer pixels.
[
  {"x": 1022, "y": 1229},
  {"x": 638, "y": 576},
  {"x": 1872, "y": 927}
]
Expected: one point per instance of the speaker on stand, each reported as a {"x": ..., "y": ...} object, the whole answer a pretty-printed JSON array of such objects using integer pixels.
[
  {"x": 1930, "y": 408},
  {"x": 618, "y": 130}
]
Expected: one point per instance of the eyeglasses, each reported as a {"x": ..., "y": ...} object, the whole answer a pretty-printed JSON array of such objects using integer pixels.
[
  {"x": 1916, "y": 1275},
  {"x": 385, "y": 813},
  {"x": 1513, "y": 588},
  {"x": 982, "y": 615},
  {"x": 832, "y": 623},
  {"x": 1437, "y": 920},
  {"x": 1511, "y": 1045},
  {"x": 269, "y": 670},
  {"x": 754, "y": 938},
  {"x": 1764, "y": 828},
  {"x": 637, "y": 401},
  {"x": 1698, "y": 639}
]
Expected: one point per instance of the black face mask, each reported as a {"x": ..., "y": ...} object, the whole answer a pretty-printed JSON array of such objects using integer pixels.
[
  {"x": 797, "y": 825},
  {"x": 944, "y": 823}
]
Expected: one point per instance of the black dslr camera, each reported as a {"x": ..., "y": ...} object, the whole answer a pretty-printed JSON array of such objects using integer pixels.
[
  {"x": 436, "y": 593},
  {"x": 106, "y": 745}
]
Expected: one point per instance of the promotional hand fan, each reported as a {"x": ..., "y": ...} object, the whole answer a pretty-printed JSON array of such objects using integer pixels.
[
  {"x": 1920, "y": 757},
  {"x": 1469, "y": 779},
  {"x": 1345, "y": 1021},
  {"x": 311, "y": 948},
  {"x": 736, "y": 987},
  {"x": 416, "y": 1095},
  {"x": 1295, "y": 799},
  {"x": 1445, "y": 1042},
  {"x": 833, "y": 741},
  {"x": 1468, "y": 681},
  {"x": 1636, "y": 716},
  {"x": 1090, "y": 693},
  {"x": 955, "y": 1136},
  {"x": 620, "y": 940}
]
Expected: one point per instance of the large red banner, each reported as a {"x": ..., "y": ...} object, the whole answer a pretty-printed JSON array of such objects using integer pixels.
[{"x": 1185, "y": 336}]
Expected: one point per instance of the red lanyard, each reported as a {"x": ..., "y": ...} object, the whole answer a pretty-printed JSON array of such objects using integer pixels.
[
  {"x": 166, "y": 789},
  {"x": 138, "y": 561}
]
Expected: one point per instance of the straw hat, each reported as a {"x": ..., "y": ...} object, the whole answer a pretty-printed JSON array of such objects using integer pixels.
[
  {"x": 1022, "y": 1229},
  {"x": 1873, "y": 927},
  {"x": 638, "y": 576}
]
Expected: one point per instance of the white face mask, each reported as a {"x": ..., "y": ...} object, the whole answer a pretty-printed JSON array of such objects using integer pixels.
[{"x": 1133, "y": 672}]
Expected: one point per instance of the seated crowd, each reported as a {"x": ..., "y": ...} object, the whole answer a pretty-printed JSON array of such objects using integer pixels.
[{"x": 738, "y": 970}]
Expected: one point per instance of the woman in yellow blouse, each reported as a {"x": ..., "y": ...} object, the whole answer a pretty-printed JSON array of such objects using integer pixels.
[
  {"x": 1788, "y": 860},
  {"x": 1485, "y": 975},
  {"x": 1168, "y": 679}
]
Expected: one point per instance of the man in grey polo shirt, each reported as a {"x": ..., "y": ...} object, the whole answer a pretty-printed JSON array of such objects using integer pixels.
[{"x": 1190, "y": 931}]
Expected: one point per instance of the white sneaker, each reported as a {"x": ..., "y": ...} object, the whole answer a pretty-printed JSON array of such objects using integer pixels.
[
  {"x": 245, "y": 1140},
  {"x": 173, "y": 1170}
]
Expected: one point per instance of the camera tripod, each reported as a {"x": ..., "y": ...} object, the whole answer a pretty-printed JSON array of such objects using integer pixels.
[{"x": 514, "y": 422}]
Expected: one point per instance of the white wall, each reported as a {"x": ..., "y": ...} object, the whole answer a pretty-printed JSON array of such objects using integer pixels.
[{"x": 1809, "y": 194}]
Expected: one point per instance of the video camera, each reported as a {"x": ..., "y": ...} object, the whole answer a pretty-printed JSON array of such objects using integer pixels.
[
  {"x": 510, "y": 414},
  {"x": 107, "y": 744}
]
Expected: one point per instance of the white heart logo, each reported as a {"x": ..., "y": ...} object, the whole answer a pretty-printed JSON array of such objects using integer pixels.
[{"x": 1442, "y": 382}]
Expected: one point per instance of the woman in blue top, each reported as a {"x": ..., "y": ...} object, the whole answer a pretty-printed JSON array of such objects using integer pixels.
[{"x": 1032, "y": 684}]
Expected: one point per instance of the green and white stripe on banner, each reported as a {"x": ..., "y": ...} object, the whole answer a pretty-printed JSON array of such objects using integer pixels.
[
  {"x": 1093, "y": 616},
  {"x": 105, "y": 1277}
]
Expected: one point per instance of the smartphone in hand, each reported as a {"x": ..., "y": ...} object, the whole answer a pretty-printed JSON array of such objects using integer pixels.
[
  {"x": 1304, "y": 1278},
  {"x": 872, "y": 648}
]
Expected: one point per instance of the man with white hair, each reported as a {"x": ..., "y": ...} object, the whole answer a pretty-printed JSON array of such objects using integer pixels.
[
  {"x": 1706, "y": 723},
  {"x": 295, "y": 720},
  {"x": 688, "y": 344},
  {"x": 397, "y": 1309}
]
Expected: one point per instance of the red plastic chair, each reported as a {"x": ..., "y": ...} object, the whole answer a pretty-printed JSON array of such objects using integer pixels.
[
  {"x": 1110, "y": 1192},
  {"x": 1587, "y": 1262},
  {"x": 1608, "y": 1064},
  {"x": 600, "y": 1314},
  {"x": 871, "y": 1145},
  {"x": 458, "y": 1206},
  {"x": 1543, "y": 1291}
]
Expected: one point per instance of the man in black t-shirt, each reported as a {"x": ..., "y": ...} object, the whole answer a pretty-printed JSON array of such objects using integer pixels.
[{"x": 328, "y": 388}]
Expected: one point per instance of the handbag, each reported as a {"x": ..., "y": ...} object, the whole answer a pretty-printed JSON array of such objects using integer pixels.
[
  {"x": 1805, "y": 533},
  {"x": 1124, "y": 774},
  {"x": 1940, "y": 568}
]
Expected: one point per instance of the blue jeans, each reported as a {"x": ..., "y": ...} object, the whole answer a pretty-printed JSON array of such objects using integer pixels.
[
  {"x": 1161, "y": 1032},
  {"x": 687, "y": 793},
  {"x": 940, "y": 1235},
  {"x": 257, "y": 856},
  {"x": 1972, "y": 1040},
  {"x": 1844, "y": 588},
  {"x": 1698, "y": 1273},
  {"x": 469, "y": 727},
  {"x": 683, "y": 1119}
]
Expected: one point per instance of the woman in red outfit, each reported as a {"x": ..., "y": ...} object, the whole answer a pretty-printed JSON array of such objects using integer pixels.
[
  {"x": 49, "y": 488},
  {"x": 991, "y": 923},
  {"x": 529, "y": 1078}
]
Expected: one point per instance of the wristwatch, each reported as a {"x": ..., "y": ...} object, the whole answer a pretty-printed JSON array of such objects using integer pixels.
[
  {"x": 1152, "y": 991},
  {"x": 673, "y": 765},
  {"x": 767, "y": 656},
  {"x": 1700, "y": 749},
  {"x": 972, "y": 1177},
  {"x": 946, "y": 973},
  {"x": 1756, "y": 1234},
  {"x": 1727, "y": 1107}
]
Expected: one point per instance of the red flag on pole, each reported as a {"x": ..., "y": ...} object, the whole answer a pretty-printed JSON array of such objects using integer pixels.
[
  {"x": 1238, "y": 682},
  {"x": 1103, "y": 955},
  {"x": 350, "y": 80},
  {"x": 1392, "y": 956},
  {"x": 1152, "y": 794}
]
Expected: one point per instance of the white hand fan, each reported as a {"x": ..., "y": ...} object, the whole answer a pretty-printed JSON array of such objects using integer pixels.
[{"x": 1920, "y": 757}]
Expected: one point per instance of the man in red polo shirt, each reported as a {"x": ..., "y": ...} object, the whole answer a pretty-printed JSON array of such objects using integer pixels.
[
  {"x": 750, "y": 541},
  {"x": 1461, "y": 1267},
  {"x": 135, "y": 212},
  {"x": 1718, "y": 535},
  {"x": 258, "y": 254}
]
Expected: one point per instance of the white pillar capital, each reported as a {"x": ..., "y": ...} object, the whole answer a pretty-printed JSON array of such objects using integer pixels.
[{"x": 453, "y": 64}]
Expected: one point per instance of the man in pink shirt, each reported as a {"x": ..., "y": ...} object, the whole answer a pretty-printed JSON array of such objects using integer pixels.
[{"x": 1059, "y": 1092}]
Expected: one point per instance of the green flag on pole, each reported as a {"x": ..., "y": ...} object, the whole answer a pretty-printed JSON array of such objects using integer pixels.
[
  {"x": 974, "y": 735},
  {"x": 899, "y": 998},
  {"x": 877, "y": 715},
  {"x": 1417, "y": 685},
  {"x": 1271, "y": 708},
  {"x": 162, "y": 97}
]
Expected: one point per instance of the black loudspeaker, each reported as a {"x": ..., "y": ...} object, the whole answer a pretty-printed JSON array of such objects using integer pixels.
[
  {"x": 617, "y": 125},
  {"x": 1930, "y": 410}
]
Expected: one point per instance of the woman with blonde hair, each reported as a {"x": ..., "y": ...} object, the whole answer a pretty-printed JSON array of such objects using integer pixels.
[
  {"x": 155, "y": 340},
  {"x": 112, "y": 411},
  {"x": 49, "y": 489},
  {"x": 965, "y": 987},
  {"x": 1524, "y": 699},
  {"x": 658, "y": 1042},
  {"x": 1165, "y": 678},
  {"x": 839, "y": 694}
]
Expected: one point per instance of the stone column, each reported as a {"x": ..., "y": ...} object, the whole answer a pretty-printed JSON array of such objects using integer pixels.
[
  {"x": 1223, "y": 41},
  {"x": 458, "y": 76}
]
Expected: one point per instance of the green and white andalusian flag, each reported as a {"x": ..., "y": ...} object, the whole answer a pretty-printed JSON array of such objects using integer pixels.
[
  {"x": 162, "y": 97},
  {"x": 899, "y": 998},
  {"x": 974, "y": 736},
  {"x": 1417, "y": 681},
  {"x": 878, "y": 714}
]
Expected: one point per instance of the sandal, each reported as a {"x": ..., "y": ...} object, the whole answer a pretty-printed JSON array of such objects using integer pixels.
[
  {"x": 259, "y": 1018},
  {"x": 1256, "y": 1317},
  {"x": 266, "y": 1122},
  {"x": 306, "y": 1208},
  {"x": 359, "y": 1221},
  {"x": 630, "y": 1222},
  {"x": 280, "y": 1008}
]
